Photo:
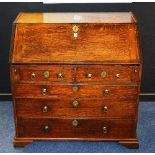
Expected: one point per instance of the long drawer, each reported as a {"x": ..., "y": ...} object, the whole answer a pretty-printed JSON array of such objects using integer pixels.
[
  {"x": 107, "y": 92},
  {"x": 70, "y": 73},
  {"x": 76, "y": 128},
  {"x": 74, "y": 108}
]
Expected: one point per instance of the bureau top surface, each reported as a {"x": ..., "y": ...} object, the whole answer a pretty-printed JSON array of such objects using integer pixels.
[{"x": 97, "y": 17}]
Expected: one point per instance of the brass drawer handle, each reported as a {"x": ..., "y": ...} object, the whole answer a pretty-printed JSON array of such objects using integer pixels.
[
  {"x": 60, "y": 76},
  {"x": 105, "y": 108},
  {"x": 33, "y": 75},
  {"x": 117, "y": 76},
  {"x": 46, "y": 74},
  {"x": 46, "y": 128},
  {"x": 45, "y": 109},
  {"x": 75, "y": 123},
  {"x": 74, "y": 88},
  {"x": 44, "y": 91},
  {"x": 105, "y": 130},
  {"x": 103, "y": 74},
  {"x": 106, "y": 92},
  {"x": 89, "y": 75},
  {"x": 75, "y": 104}
]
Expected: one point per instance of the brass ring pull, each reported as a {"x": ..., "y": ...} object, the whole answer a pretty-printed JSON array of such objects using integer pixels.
[
  {"x": 44, "y": 91},
  {"x": 33, "y": 75},
  {"x": 46, "y": 74},
  {"x": 45, "y": 109},
  {"x": 75, "y": 123},
  {"x": 106, "y": 92},
  {"x": 46, "y": 128},
  {"x": 105, "y": 108},
  {"x": 75, "y": 104},
  {"x": 105, "y": 130}
]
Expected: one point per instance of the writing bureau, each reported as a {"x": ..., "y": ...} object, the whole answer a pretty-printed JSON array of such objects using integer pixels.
[{"x": 75, "y": 76}]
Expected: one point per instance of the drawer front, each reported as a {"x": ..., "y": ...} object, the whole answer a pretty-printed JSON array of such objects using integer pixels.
[
  {"x": 74, "y": 108},
  {"x": 76, "y": 91},
  {"x": 112, "y": 74},
  {"x": 42, "y": 73},
  {"x": 75, "y": 128}
]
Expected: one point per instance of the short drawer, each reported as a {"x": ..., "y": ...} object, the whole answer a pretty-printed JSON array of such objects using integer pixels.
[
  {"x": 108, "y": 92},
  {"x": 76, "y": 128},
  {"x": 112, "y": 74},
  {"x": 42, "y": 73},
  {"x": 74, "y": 108}
]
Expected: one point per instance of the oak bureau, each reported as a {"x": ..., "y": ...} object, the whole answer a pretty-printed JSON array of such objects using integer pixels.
[{"x": 75, "y": 76}]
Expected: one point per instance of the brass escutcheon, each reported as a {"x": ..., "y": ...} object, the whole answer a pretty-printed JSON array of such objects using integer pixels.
[
  {"x": 46, "y": 74},
  {"x": 75, "y": 29},
  {"x": 75, "y": 123},
  {"x": 74, "y": 88},
  {"x": 103, "y": 74},
  {"x": 105, "y": 130}
]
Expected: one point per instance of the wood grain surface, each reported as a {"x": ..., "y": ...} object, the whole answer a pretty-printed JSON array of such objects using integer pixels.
[
  {"x": 65, "y": 108},
  {"x": 81, "y": 85},
  {"x": 86, "y": 128},
  {"x": 95, "y": 43}
]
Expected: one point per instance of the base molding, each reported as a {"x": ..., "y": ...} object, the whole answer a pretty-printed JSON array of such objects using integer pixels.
[
  {"x": 129, "y": 143},
  {"x": 19, "y": 142}
]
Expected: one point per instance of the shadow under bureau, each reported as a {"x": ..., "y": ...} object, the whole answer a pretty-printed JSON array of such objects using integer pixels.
[{"x": 75, "y": 76}]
